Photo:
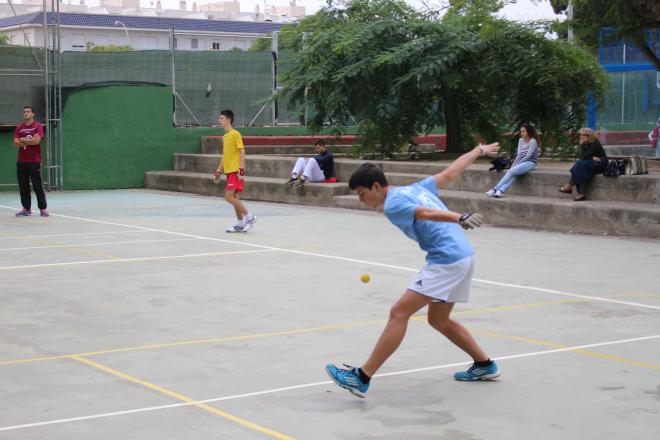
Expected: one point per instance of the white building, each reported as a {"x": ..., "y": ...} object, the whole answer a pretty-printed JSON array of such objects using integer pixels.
[
  {"x": 292, "y": 10},
  {"x": 219, "y": 10},
  {"x": 233, "y": 6},
  {"x": 78, "y": 30}
]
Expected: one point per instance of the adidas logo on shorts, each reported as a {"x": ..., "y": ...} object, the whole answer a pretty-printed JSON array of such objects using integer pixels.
[{"x": 418, "y": 283}]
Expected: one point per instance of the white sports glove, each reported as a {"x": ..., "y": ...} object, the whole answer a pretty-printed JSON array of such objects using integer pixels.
[{"x": 470, "y": 221}]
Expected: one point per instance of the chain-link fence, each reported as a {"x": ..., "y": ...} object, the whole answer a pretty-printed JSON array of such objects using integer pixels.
[
  {"x": 203, "y": 82},
  {"x": 633, "y": 101},
  {"x": 21, "y": 82}
]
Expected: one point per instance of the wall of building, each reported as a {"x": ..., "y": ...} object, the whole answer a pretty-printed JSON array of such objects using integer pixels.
[{"x": 77, "y": 39}]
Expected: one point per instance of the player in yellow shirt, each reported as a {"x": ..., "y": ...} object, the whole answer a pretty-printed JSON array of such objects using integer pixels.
[{"x": 233, "y": 165}]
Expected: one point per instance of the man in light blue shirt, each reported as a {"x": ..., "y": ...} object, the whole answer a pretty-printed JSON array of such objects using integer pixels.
[{"x": 418, "y": 212}]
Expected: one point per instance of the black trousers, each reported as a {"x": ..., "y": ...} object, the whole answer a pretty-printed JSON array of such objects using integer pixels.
[{"x": 26, "y": 171}]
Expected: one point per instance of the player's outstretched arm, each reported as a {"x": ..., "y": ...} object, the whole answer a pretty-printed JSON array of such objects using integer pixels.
[
  {"x": 436, "y": 215},
  {"x": 467, "y": 220},
  {"x": 459, "y": 165}
]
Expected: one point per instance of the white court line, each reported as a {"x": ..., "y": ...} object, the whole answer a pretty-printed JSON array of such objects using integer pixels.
[
  {"x": 54, "y": 246},
  {"x": 313, "y": 384},
  {"x": 573, "y": 295},
  {"x": 353, "y": 260},
  {"x": 126, "y": 260},
  {"x": 13, "y": 237}
]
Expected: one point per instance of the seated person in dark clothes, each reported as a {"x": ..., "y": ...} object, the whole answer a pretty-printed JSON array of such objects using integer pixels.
[
  {"x": 591, "y": 161},
  {"x": 316, "y": 169}
]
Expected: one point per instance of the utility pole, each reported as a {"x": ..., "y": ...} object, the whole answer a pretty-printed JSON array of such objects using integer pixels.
[{"x": 570, "y": 19}]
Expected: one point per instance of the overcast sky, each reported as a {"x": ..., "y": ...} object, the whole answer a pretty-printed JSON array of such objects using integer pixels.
[{"x": 522, "y": 10}]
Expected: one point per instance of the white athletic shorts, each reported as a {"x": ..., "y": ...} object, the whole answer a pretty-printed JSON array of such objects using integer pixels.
[{"x": 445, "y": 282}]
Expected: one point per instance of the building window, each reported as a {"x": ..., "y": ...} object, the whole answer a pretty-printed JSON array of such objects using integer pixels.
[
  {"x": 216, "y": 45},
  {"x": 194, "y": 43},
  {"x": 175, "y": 40},
  {"x": 79, "y": 42}
]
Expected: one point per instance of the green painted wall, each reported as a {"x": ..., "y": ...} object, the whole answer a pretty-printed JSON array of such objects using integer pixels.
[
  {"x": 7, "y": 161},
  {"x": 112, "y": 135}
]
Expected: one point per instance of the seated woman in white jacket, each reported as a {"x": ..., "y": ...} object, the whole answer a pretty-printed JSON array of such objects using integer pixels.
[{"x": 525, "y": 161}]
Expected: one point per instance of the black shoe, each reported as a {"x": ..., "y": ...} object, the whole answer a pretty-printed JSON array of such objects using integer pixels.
[
  {"x": 291, "y": 181},
  {"x": 301, "y": 183}
]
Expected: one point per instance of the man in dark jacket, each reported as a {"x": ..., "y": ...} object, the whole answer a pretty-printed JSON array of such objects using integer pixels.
[{"x": 316, "y": 169}]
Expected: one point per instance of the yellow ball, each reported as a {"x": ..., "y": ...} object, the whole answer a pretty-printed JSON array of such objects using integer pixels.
[{"x": 365, "y": 278}]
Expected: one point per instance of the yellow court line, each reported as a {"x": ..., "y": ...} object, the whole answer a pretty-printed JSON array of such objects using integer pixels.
[
  {"x": 195, "y": 342},
  {"x": 131, "y": 260},
  {"x": 183, "y": 398},
  {"x": 515, "y": 307},
  {"x": 280, "y": 333},
  {"x": 74, "y": 250},
  {"x": 555, "y": 345},
  {"x": 647, "y": 295}
]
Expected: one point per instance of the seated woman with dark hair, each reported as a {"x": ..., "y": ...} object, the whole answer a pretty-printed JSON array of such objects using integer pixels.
[{"x": 592, "y": 160}]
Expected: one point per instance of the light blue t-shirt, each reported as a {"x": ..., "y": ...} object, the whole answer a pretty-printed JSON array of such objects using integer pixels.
[{"x": 444, "y": 241}]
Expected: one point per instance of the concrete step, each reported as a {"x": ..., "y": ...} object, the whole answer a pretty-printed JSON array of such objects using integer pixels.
[
  {"x": 644, "y": 150},
  {"x": 590, "y": 217},
  {"x": 256, "y": 188},
  {"x": 256, "y": 165},
  {"x": 542, "y": 182},
  {"x": 438, "y": 141},
  {"x": 214, "y": 146}
]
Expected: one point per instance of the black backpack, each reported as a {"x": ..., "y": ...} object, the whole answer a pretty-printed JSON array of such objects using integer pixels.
[
  {"x": 614, "y": 168},
  {"x": 500, "y": 164}
]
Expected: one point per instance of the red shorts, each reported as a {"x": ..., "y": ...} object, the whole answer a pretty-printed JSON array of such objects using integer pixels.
[{"x": 233, "y": 182}]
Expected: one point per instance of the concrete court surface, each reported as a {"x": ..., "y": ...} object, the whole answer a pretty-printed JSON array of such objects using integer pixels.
[{"x": 133, "y": 315}]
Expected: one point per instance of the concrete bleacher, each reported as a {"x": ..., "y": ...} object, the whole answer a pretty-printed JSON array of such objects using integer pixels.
[
  {"x": 627, "y": 205},
  {"x": 644, "y": 150}
]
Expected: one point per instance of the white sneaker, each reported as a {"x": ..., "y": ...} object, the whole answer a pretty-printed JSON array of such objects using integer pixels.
[
  {"x": 498, "y": 194},
  {"x": 490, "y": 193},
  {"x": 249, "y": 222},
  {"x": 236, "y": 228}
]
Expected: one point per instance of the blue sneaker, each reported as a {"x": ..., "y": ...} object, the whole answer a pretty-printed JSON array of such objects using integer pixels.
[
  {"x": 479, "y": 373},
  {"x": 348, "y": 379}
]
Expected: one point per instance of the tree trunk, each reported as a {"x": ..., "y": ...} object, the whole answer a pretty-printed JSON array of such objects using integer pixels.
[{"x": 452, "y": 122}]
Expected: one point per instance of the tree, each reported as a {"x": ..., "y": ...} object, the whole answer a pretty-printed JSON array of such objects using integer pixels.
[
  {"x": 632, "y": 20},
  {"x": 400, "y": 73},
  {"x": 4, "y": 39}
]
